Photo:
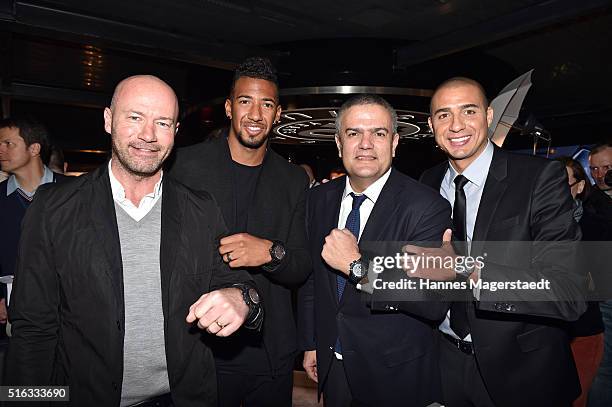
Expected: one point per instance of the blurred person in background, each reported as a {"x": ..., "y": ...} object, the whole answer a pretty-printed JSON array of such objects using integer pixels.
[
  {"x": 599, "y": 202},
  {"x": 311, "y": 178},
  {"x": 600, "y": 162},
  {"x": 587, "y": 332},
  {"x": 57, "y": 162},
  {"x": 24, "y": 147}
]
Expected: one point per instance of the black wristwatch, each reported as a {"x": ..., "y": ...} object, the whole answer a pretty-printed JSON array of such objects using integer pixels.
[
  {"x": 277, "y": 252},
  {"x": 358, "y": 269},
  {"x": 251, "y": 298}
]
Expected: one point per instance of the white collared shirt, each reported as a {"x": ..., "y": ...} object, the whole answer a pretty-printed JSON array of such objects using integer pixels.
[
  {"x": 372, "y": 192},
  {"x": 12, "y": 183},
  {"x": 476, "y": 173},
  {"x": 146, "y": 203}
]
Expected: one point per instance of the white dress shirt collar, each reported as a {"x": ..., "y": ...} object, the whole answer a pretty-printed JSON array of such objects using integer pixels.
[
  {"x": 146, "y": 203},
  {"x": 478, "y": 170},
  {"x": 372, "y": 192}
]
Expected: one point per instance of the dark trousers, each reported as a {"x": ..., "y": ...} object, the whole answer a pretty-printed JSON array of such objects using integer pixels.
[
  {"x": 336, "y": 391},
  {"x": 235, "y": 390},
  {"x": 462, "y": 384}
]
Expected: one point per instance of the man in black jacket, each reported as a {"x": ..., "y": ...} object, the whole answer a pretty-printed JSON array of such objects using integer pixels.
[
  {"x": 504, "y": 348},
  {"x": 111, "y": 271},
  {"x": 262, "y": 198}
]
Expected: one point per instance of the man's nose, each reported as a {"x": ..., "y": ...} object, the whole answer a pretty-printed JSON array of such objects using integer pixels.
[
  {"x": 366, "y": 141},
  {"x": 457, "y": 123},
  {"x": 148, "y": 132},
  {"x": 255, "y": 112}
]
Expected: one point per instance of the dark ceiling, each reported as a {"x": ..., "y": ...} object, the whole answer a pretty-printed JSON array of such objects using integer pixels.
[{"x": 61, "y": 59}]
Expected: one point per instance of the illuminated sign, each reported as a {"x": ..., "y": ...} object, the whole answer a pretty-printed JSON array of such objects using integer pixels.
[{"x": 315, "y": 125}]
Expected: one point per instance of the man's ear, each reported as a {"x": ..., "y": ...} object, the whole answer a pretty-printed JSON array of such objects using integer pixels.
[
  {"x": 489, "y": 116},
  {"x": 34, "y": 149},
  {"x": 338, "y": 145},
  {"x": 228, "y": 108},
  {"x": 279, "y": 110},
  {"x": 429, "y": 123},
  {"x": 176, "y": 128},
  {"x": 395, "y": 143},
  {"x": 108, "y": 120}
]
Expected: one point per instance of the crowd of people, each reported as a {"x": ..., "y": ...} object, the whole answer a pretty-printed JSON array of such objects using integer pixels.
[{"x": 168, "y": 278}]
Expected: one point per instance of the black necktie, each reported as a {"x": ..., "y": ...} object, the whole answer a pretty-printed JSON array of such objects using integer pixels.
[{"x": 458, "y": 317}]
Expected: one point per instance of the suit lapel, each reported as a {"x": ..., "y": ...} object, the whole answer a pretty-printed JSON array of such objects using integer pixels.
[
  {"x": 434, "y": 176},
  {"x": 493, "y": 191},
  {"x": 329, "y": 221},
  {"x": 383, "y": 212},
  {"x": 171, "y": 219},
  {"x": 104, "y": 220}
]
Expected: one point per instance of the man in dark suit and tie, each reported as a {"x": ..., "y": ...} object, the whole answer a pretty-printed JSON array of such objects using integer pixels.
[
  {"x": 504, "y": 353},
  {"x": 358, "y": 354}
]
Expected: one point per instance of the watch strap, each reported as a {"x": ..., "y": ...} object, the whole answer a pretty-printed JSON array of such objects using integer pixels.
[{"x": 254, "y": 318}]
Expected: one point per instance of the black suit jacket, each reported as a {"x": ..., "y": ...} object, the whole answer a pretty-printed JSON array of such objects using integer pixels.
[
  {"x": 67, "y": 309},
  {"x": 277, "y": 212},
  {"x": 521, "y": 347},
  {"x": 390, "y": 358}
]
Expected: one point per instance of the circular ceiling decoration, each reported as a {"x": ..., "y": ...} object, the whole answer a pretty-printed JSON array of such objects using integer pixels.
[{"x": 316, "y": 125}]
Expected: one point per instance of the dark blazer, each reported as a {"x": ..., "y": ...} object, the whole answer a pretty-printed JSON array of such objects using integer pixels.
[
  {"x": 390, "y": 358},
  {"x": 522, "y": 349},
  {"x": 277, "y": 212},
  {"x": 67, "y": 309}
]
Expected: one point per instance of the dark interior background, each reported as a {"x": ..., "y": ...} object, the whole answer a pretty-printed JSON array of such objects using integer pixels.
[{"x": 60, "y": 60}]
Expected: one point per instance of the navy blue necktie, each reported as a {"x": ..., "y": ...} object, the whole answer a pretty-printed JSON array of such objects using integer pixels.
[{"x": 352, "y": 224}]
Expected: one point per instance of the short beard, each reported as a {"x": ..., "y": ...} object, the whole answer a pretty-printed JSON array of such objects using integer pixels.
[
  {"x": 142, "y": 171},
  {"x": 252, "y": 143}
]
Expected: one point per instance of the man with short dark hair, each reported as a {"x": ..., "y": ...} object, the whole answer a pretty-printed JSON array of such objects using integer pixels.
[
  {"x": 262, "y": 198},
  {"x": 511, "y": 352},
  {"x": 359, "y": 350},
  {"x": 24, "y": 147},
  {"x": 119, "y": 268}
]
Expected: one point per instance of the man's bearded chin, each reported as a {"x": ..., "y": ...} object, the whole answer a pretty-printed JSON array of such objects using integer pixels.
[
  {"x": 138, "y": 169},
  {"x": 253, "y": 143}
]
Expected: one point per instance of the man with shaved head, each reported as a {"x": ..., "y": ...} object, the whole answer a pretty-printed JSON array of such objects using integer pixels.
[
  {"x": 118, "y": 273},
  {"x": 512, "y": 352}
]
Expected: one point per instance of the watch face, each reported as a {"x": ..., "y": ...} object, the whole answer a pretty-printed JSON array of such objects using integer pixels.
[
  {"x": 278, "y": 251},
  {"x": 254, "y": 295},
  {"x": 358, "y": 269}
]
